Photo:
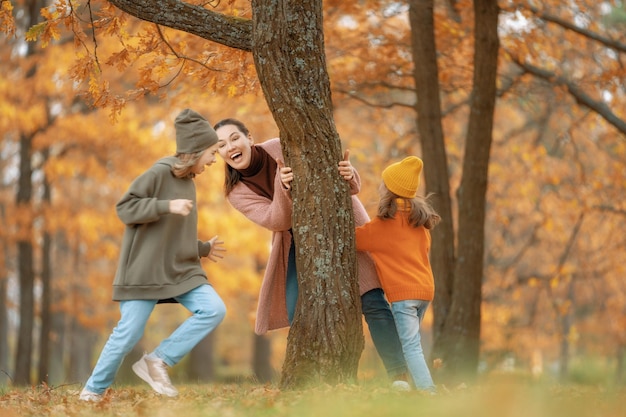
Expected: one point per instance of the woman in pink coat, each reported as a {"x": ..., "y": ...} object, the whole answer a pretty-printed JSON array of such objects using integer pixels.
[{"x": 253, "y": 185}]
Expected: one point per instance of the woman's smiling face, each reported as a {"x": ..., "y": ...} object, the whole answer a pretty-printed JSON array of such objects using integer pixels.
[{"x": 234, "y": 146}]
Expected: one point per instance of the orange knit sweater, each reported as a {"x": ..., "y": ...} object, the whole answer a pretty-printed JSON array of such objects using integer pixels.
[{"x": 400, "y": 252}]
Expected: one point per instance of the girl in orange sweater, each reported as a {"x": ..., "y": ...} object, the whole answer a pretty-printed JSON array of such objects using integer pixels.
[{"x": 398, "y": 240}]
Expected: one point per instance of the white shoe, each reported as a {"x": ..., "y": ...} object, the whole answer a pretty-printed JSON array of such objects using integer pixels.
[
  {"x": 400, "y": 385},
  {"x": 154, "y": 372},
  {"x": 86, "y": 395}
]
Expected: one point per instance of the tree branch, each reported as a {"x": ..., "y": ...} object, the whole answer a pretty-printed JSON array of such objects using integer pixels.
[
  {"x": 373, "y": 103},
  {"x": 568, "y": 248},
  {"x": 234, "y": 32},
  {"x": 93, "y": 34},
  {"x": 579, "y": 95},
  {"x": 611, "y": 43},
  {"x": 610, "y": 209}
]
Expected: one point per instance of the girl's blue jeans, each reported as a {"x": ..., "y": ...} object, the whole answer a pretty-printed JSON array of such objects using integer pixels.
[
  {"x": 383, "y": 330},
  {"x": 408, "y": 315},
  {"x": 377, "y": 316},
  {"x": 207, "y": 308}
]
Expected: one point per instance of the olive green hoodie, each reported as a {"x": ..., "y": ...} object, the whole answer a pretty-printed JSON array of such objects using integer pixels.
[{"x": 160, "y": 254}]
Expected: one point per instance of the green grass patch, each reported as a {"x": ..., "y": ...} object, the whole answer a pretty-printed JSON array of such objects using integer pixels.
[
  {"x": 591, "y": 371},
  {"x": 497, "y": 398}
]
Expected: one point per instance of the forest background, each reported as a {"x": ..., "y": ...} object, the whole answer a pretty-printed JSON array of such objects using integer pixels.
[{"x": 554, "y": 296}]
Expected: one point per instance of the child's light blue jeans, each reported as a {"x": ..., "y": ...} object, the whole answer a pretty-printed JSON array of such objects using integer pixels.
[
  {"x": 408, "y": 315},
  {"x": 207, "y": 308}
]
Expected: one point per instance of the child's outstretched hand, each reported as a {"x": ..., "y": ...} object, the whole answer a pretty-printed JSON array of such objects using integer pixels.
[
  {"x": 286, "y": 174},
  {"x": 345, "y": 167},
  {"x": 181, "y": 206},
  {"x": 217, "y": 249}
]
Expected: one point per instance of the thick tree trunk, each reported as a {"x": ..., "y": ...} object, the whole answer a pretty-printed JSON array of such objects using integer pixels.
[
  {"x": 459, "y": 341},
  {"x": 436, "y": 176},
  {"x": 326, "y": 337}
]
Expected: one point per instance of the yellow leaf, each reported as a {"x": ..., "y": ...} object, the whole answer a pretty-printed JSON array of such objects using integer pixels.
[{"x": 35, "y": 31}]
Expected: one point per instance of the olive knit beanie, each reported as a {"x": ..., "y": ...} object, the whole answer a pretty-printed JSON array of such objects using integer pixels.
[
  {"x": 403, "y": 178},
  {"x": 193, "y": 132}
]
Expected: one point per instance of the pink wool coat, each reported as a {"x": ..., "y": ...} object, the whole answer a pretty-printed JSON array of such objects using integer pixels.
[{"x": 275, "y": 215}]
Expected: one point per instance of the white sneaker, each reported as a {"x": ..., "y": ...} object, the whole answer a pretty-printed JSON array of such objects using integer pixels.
[
  {"x": 400, "y": 385},
  {"x": 154, "y": 372},
  {"x": 86, "y": 395}
]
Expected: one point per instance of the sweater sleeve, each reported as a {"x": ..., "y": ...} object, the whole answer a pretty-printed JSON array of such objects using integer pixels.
[
  {"x": 363, "y": 236},
  {"x": 274, "y": 215},
  {"x": 137, "y": 205}
]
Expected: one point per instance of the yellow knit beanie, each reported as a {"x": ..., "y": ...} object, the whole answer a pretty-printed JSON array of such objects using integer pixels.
[{"x": 403, "y": 178}]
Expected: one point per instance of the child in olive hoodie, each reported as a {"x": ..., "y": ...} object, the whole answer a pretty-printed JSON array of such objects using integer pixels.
[{"x": 160, "y": 262}]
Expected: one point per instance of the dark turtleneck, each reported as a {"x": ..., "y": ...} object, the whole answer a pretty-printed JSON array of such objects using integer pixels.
[{"x": 259, "y": 176}]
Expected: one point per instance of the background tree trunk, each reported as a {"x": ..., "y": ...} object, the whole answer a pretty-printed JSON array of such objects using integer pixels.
[
  {"x": 46, "y": 293},
  {"x": 26, "y": 271},
  {"x": 25, "y": 245},
  {"x": 4, "y": 316},
  {"x": 56, "y": 370},
  {"x": 81, "y": 347},
  {"x": 201, "y": 365},
  {"x": 326, "y": 338},
  {"x": 459, "y": 340},
  {"x": 566, "y": 327},
  {"x": 261, "y": 361},
  {"x": 60, "y": 320},
  {"x": 46, "y": 315}
]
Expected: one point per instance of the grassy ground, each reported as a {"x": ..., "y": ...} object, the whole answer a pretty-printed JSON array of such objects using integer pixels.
[{"x": 495, "y": 398}]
